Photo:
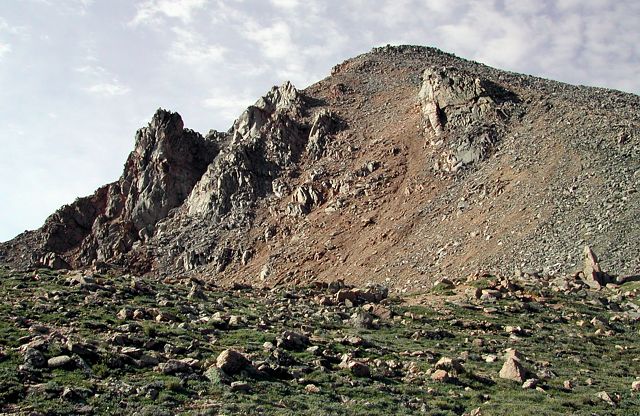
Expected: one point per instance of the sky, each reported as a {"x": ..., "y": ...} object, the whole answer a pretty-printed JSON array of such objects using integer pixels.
[{"x": 79, "y": 77}]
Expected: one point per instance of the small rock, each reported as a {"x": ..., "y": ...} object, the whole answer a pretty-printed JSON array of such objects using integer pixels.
[
  {"x": 441, "y": 376},
  {"x": 378, "y": 311},
  {"x": 312, "y": 388},
  {"x": 530, "y": 383},
  {"x": 473, "y": 293},
  {"x": 125, "y": 313},
  {"x": 75, "y": 393},
  {"x": 216, "y": 376},
  {"x": 568, "y": 385},
  {"x": 490, "y": 294},
  {"x": 235, "y": 321},
  {"x": 174, "y": 367},
  {"x": 196, "y": 293},
  {"x": 268, "y": 346},
  {"x": 362, "y": 319},
  {"x": 290, "y": 340},
  {"x": 475, "y": 412},
  {"x": 34, "y": 358},
  {"x": 138, "y": 314},
  {"x": 604, "y": 396},
  {"x": 451, "y": 365},
  {"x": 240, "y": 386},
  {"x": 635, "y": 386},
  {"x": 315, "y": 350},
  {"x": 593, "y": 274},
  {"x": 165, "y": 317}
]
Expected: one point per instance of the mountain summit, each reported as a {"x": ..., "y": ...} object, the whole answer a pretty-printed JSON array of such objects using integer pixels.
[{"x": 405, "y": 165}]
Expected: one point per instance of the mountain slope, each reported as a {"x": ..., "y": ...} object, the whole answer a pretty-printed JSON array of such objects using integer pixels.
[{"x": 405, "y": 165}]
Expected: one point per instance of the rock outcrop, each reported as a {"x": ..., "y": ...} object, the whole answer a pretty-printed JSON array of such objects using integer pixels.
[
  {"x": 166, "y": 163},
  {"x": 265, "y": 139},
  {"x": 462, "y": 114}
]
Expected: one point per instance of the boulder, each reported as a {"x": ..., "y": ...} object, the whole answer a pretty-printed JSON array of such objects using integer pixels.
[
  {"x": 174, "y": 367},
  {"x": 34, "y": 358},
  {"x": 592, "y": 272},
  {"x": 54, "y": 261},
  {"x": 359, "y": 369},
  {"x": 240, "y": 386},
  {"x": 512, "y": 369},
  {"x": 441, "y": 376},
  {"x": 232, "y": 362}
]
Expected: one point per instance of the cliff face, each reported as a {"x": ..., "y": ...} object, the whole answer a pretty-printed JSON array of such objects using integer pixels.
[{"x": 405, "y": 165}]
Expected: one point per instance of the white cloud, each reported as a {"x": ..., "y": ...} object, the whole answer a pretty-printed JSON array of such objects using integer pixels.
[
  {"x": 228, "y": 106},
  {"x": 68, "y": 7},
  {"x": 286, "y": 4},
  {"x": 108, "y": 89},
  {"x": 5, "y": 48},
  {"x": 101, "y": 81},
  {"x": 92, "y": 70},
  {"x": 191, "y": 48},
  {"x": 154, "y": 11},
  {"x": 274, "y": 40}
]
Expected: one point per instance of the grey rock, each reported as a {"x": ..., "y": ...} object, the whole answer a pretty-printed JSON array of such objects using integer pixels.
[
  {"x": 34, "y": 358},
  {"x": 174, "y": 367},
  {"x": 240, "y": 386},
  {"x": 216, "y": 376},
  {"x": 324, "y": 125},
  {"x": 61, "y": 361},
  {"x": 592, "y": 272},
  {"x": 451, "y": 365},
  {"x": 362, "y": 319},
  {"x": 54, "y": 261}
]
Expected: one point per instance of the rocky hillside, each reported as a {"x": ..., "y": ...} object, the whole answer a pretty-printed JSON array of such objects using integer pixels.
[{"x": 406, "y": 165}]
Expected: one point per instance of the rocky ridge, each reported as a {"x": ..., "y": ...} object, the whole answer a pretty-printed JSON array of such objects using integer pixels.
[{"x": 406, "y": 165}]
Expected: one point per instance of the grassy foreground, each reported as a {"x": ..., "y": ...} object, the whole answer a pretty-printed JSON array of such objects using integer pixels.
[{"x": 74, "y": 344}]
